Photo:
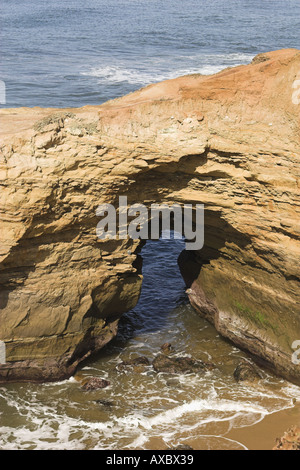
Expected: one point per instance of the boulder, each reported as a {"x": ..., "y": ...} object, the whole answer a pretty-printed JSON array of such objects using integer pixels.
[
  {"x": 94, "y": 383},
  {"x": 246, "y": 372},
  {"x": 290, "y": 440}
]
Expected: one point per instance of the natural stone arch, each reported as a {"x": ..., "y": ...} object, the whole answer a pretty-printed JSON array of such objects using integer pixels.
[{"x": 229, "y": 141}]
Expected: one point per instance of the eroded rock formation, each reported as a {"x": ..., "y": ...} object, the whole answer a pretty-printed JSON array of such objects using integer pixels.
[{"x": 229, "y": 141}]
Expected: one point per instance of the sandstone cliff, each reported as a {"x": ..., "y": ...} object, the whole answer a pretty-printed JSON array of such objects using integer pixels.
[{"x": 229, "y": 141}]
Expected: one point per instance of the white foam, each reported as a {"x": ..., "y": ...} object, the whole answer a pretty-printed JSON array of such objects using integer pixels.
[{"x": 231, "y": 409}]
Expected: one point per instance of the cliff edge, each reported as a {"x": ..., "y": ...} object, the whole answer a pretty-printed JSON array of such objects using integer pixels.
[{"x": 230, "y": 141}]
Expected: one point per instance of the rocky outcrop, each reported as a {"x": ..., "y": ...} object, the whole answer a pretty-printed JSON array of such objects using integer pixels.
[{"x": 229, "y": 141}]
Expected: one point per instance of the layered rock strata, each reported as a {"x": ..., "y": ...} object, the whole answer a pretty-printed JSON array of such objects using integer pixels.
[{"x": 229, "y": 141}]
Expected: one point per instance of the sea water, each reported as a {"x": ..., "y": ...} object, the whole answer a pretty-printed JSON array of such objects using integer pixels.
[
  {"x": 73, "y": 53},
  {"x": 143, "y": 409}
]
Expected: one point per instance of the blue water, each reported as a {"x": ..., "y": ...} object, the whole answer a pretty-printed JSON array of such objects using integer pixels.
[{"x": 76, "y": 52}]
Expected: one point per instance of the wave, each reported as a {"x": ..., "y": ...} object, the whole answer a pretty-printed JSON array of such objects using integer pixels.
[{"x": 43, "y": 426}]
